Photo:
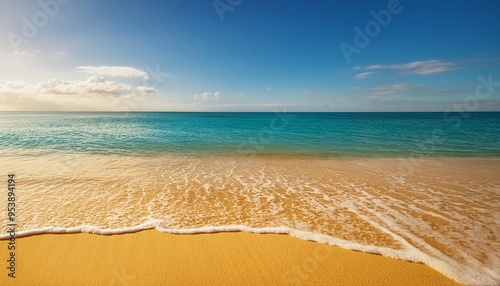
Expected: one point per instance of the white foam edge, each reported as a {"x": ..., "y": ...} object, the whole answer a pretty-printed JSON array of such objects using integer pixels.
[{"x": 414, "y": 255}]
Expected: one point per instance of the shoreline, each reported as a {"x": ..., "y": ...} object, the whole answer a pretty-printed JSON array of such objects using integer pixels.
[
  {"x": 151, "y": 257},
  {"x": 155, "y": 154},
  {"x": 393, "y": 207}
]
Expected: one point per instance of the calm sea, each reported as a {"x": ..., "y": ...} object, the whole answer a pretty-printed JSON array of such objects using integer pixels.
[
  {"x": 346, "y": 179},
  {"x": 278, "y": 133}
]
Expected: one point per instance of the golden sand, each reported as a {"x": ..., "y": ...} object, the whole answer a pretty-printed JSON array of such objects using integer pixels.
[
  {"x": 154, "y": 258},
  {"x": 442, "y": 211}
]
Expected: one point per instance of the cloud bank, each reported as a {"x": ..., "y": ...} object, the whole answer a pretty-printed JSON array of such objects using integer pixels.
[
  {"x": 129, "y": 72},
  {"x": 208, "y": 96},
  {"x": 94, "y": 93},
  {"x": 417, "y": 67}
]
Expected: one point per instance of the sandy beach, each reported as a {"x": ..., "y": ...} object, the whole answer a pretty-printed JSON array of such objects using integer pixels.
[
  {"x": 243, "y": 143},
  {"x": 368, "y": 205},
  {"x": 154, "y": 258}
]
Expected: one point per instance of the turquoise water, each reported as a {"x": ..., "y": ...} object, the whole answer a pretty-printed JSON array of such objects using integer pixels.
[{"x": 279, "y": 133}]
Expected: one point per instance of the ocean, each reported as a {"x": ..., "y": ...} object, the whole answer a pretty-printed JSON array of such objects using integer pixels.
[
  {"x": 421, "y": 187},
  {"x": 274, "y": 133}
]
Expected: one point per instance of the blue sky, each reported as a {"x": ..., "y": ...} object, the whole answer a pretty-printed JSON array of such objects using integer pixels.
[{"x": 242, "y": 55}]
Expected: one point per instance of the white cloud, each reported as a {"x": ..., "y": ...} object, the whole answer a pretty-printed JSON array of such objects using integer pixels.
[
  {"x": 114, "y": 71},
  {"x": 93, "y": 85},
  {"x": 363, "y": 75},
  {"x": 26, "y": 53},
  {"x": 383, "y": 90},
  {"x": 146, "y": 90},
  {"x": 374, "y": 67},
  {"x": 95, "y": 93},
  {"x": 14, "y": 87},
  {"x": 208, "y": 96},
  {"x": 417, "y": 67}
]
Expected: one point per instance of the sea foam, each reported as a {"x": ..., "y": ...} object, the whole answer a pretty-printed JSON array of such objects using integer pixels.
[
  {"x": 368, "y": 205},
  {"x": 457, "y": 272}
]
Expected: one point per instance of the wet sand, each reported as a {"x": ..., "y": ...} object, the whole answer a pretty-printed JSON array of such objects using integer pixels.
[
  {"x": 440, "y": 211},
  {"x": 154, "y": 258}
]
